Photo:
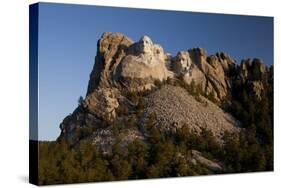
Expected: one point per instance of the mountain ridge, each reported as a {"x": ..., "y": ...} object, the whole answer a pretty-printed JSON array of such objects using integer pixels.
[{"x": 121, "y": 64}]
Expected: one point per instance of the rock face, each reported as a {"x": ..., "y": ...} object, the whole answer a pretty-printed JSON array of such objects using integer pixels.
[
  {"x": 144, "y": 63},
  {"x": 121, "y": 62},
  {"x": 251, "y": 69},
  {"x": 185, "y": 68},
  {"x": 210, "y": 72},
  {"x": 102, "y": 103},
  {"x": 110, "y": 50},
  {"x": 122, "y": 66},
  {"x": 250, "y": 73},
  {"x": 214, "y": 68}
]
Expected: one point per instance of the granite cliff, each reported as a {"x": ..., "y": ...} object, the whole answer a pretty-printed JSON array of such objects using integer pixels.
[{"x": 135, "y": 82}]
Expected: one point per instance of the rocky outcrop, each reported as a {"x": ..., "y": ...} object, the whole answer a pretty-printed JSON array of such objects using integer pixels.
[
  {"x": 211, "y": 165},
  {"x": 251, "y": 69},
  {"x": 183, "y": 67},
  {"x": 120, "y": 62},
  {"x": 214, "y": 69},
  {"x": 124, "y": 65},
  {"x": 251, "y": 73},
  {"x": 104, "y": 138},
  {"x": 210, "y": 72},
  {"x": 111, "y": 49},
  {"x": 102, "y": 103}
]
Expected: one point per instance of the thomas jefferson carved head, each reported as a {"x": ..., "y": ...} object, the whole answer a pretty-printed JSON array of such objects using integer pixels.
[{"x": 182, "y": 62}]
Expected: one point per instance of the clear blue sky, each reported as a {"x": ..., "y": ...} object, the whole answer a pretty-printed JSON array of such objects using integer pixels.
[{"x": 68, "y": 35}]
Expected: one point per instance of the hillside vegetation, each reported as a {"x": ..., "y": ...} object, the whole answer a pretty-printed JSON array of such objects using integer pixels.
[{"x": 147, "y": 114}]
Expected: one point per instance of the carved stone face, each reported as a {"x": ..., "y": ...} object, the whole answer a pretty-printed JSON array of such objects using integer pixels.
[
  {"x": 145, "y": 45},
  {"x": 183, "y": 59}
]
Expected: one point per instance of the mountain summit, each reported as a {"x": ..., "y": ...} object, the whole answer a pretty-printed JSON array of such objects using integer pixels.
[{"x": 132, "y": 81}]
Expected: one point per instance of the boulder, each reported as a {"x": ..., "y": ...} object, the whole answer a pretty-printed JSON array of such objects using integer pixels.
[
  {"x": 211, "y": 165},
  {"x": 102, "y": 103}
]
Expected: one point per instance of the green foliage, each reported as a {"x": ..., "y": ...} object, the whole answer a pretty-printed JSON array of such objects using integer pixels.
[
  {"x": 164, "y": 154},
  {"x": 243, "y": 153},
  {"x": 86, "y": 131},
  {"x": 159, "y": 156},
  {"x": 252, "y": 151},
  {"x": 138, "y": 158},
  {"x": 58, "y": 163}
]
